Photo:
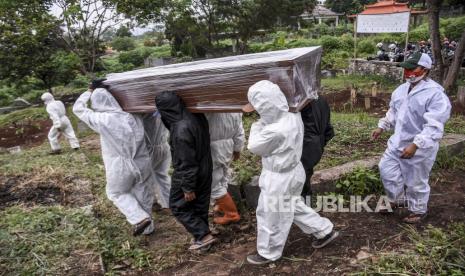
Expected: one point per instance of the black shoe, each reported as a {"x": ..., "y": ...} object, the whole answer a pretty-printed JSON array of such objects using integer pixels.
[
  {"x": 55, "y": 152},
  {"x": 258, "y": 260},
  {"x": 140, "y": 227},
  {"x": 320, "y": 243}
]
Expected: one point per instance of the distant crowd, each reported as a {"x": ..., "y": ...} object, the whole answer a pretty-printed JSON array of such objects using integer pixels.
[{"x": 395, "y": 53}]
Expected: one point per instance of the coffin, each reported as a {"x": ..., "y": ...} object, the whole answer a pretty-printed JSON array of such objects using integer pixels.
[{"x": 221, "y": 84}]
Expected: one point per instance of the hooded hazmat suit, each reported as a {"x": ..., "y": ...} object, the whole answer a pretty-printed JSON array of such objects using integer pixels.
[
  {"x": 156, "y": 138},
  {"x": 416, "y": 117},
  {"x": 318, "y": 131},
  {"x": 226, "y": 137},
  {"x": 192, "y": 163},
  {"x": 61, "y": 124},
  {"x": 124, "y": 153},
  {"x": 277, "y": 137}
]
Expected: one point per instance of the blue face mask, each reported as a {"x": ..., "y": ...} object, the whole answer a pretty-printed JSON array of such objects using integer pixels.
[{"x": 156, "y": 114}]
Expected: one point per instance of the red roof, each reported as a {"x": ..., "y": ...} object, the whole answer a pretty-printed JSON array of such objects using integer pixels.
[{"x": 386, "y": 6}]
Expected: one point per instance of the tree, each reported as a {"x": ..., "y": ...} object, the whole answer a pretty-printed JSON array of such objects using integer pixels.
[
  {"x": 123, "y": 31},
  {"x": 438, "y": 73},
  {"x": 348, "y": 6},
  {"x": 433, "y": 7},
  {"x": 123, "y": 44},
  {"x": 85, "y": 22},
  {"x": 30, "y": 41}
]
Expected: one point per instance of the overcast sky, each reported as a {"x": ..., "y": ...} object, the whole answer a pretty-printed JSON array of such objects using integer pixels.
[{"x": 56, "y": 11}]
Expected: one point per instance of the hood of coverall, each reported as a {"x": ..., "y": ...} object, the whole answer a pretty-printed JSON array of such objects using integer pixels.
[
  {"x": 102, "y": 101},
  {"x": 47, "y": 98},
  {"x": 171, "y": 107},
  {"x": 268, "y": 100}
]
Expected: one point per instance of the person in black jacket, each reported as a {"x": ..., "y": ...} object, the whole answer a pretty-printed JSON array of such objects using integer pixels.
[
  {"x": 192, "y": 163},
  {"x": 317, "y": 132}
]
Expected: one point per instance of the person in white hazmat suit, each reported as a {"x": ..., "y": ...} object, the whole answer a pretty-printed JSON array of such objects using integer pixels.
[
  {"x": 124, "y": 153},
  {"x": 61, "y": 124},
  {"x": 417, "y": 113},
  {"x": 156, "y": 138},
  {"x": 226, "y": 141},
  {"x": 278, "y": 138}
]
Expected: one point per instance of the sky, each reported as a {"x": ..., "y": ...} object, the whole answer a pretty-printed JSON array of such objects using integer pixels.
[{"x": 56, "y": 11}]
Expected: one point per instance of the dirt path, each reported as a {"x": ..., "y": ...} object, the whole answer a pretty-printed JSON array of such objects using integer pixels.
[{"x": 368, "y": 232}]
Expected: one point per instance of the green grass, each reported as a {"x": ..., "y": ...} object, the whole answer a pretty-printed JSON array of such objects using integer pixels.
[
  {"x": 434, "y": 251},
  {"x": 365, "y": 83},
  {"x": 40, "y": 240},
  {"x": 352, "y": 140},
  {"x": 456, "y": 124},
  {"x": 114, "y": 242},
  {"x": 23, "y": 116}
]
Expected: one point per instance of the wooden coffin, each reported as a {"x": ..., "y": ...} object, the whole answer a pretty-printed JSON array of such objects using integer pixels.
[{"x": 221, "y": 84}]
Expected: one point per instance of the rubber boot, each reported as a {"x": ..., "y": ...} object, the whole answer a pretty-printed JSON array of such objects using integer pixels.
[{"x": 227, "y": 205}]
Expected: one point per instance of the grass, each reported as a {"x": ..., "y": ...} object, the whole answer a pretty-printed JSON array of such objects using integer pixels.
[
  {"x": 456, "y": 124},
  {"x": 45, "y": 240},
  {"x": 352, "y": 140},
  {"x": 110, "y": 236},
  {"x": 23, "y": 116},
  {"x": 342, "y": 82},
  {"x": 434, "y": 251}
]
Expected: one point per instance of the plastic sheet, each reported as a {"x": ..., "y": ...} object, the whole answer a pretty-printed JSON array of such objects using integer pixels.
[{"x": 221, "y": 84}]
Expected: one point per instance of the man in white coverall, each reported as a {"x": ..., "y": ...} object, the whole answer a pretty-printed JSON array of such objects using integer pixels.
[
  {"x": 124, "y": 153},
  {"x": 156, "y": 138},
  {"x": 61, "y": 124},
  {"x": 417, "y": 113},
  {"x": 278, "y": 138},
  {"x": 226, "y": 141}
]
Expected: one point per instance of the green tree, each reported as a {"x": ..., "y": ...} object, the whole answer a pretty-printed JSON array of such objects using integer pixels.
[
  {"x": 85, "y": 23},
  {"x": 30, "y": 43},
  {"x": 123, "y": 44},
  {"x": 123, "y": 31},
  {"x": 347, "y": 6}
]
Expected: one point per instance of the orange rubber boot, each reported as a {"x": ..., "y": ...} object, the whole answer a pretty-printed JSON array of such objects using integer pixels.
[{"x": 227, "y": 205}]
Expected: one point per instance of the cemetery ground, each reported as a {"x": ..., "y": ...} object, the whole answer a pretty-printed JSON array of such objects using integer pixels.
[{"x": 55, "y": 217}]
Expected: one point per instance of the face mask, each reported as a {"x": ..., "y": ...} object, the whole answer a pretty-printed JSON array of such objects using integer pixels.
[{"x": 413, "y": 76}]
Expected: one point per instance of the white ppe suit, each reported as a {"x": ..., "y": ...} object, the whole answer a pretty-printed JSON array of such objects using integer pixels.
[
  {"x": 125, "y": 156},
  {"x": 156, "y": 138},
  {"x": 416, "y": 117},
  {"x": 278, "y": 137},
  {"x": 226, "y": 136},
  {"x": 61, "y": 124}
]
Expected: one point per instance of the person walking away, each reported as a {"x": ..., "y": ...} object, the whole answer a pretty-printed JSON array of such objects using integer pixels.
[
  {"x": 278, "y": 137},
  {"x": 156, "y": 138},
  {"x": 192, "y": 167},
  {"x": 61, "y": 124},
  {"x": 318, "y": 131},
  {"x": 226, "y": 140},
  {"x": 124, "y": 153},
  {"x": 417, "y": 113}
]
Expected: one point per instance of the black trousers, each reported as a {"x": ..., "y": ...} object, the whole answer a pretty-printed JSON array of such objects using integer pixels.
[
  {"x": 193, "y": 215},
  {"x": 311, "y": 155}
]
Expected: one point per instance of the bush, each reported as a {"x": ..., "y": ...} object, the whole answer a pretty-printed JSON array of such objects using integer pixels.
[
  {"x": 161, "y": 52},
  {"x": 366, "y": 46},
  {"x": 123, "y": 44},
  {"x": 330, "y": 43},
  {"x": 454, "y": 29},
  {"x": 335, "y": 60},
  {"x": 303, "y": 43},
  {"x": 131, "y": 57},
  {"x": 360, "y": 182}
]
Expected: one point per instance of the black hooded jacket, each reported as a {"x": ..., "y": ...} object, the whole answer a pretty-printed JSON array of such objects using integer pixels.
[
  {"x": 317, "y": 131},
  {"x": 190, "y": 144}
]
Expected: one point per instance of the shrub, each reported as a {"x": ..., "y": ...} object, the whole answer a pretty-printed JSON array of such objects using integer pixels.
[
  {"x": 454, "y": 30},
  {"x": 133, "y": 57},
  {"x": 361, "y": 182},
  {"x": 330, "y": 43},
  {"x": 123, "y": 44},
  {"x": 366, "y": 46}
]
